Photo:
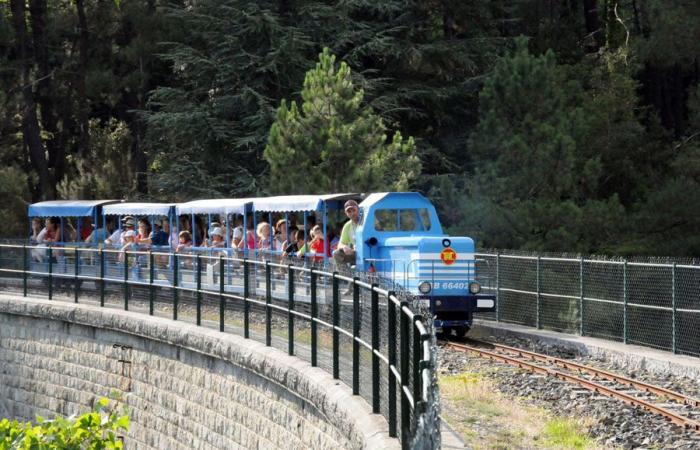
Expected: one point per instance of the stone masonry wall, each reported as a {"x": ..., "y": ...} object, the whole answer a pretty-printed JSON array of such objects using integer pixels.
[{"x": 185, "y": 387}]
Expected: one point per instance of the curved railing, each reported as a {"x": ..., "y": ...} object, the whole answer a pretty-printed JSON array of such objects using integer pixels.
[{"x": 371, "y": 338}]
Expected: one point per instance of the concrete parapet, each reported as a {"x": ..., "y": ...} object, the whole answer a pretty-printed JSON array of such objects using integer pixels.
[{"x": 186, "y": 387}]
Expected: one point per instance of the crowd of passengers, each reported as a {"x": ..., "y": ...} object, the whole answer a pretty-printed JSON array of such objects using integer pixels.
[{"x": 288, "y": 238}]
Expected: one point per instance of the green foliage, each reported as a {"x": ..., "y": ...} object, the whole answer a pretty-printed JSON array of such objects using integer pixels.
[
  {"x": 334, "y": 142},
  {"x": 14, "y": 197},
  {"x": 96, "y": 430}
]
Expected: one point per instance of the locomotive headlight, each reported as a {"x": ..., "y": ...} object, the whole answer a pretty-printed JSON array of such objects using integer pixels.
[
  {"x": 425, "y": 288},
  {"x": 474, "y": 287}
]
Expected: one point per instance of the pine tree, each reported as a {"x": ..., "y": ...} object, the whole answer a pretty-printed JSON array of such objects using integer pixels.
[{"x": 333, "y": 142}]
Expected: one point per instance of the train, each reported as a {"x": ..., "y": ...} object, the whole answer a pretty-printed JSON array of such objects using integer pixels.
[{"x": 399, "y": 242}]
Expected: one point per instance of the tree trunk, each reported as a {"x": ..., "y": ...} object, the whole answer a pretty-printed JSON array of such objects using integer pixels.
[
  {"x": 31, "y": 132},
  {"x": 590, "y": 15},
  {"x": 80, "y": 91}
]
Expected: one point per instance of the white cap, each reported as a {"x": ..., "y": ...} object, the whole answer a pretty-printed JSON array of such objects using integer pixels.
[{"x": 216, "y": 231}]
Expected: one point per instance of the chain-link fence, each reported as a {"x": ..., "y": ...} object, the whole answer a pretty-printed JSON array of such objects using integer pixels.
[
  {"x": 637, "y": 301},
  {"x": 378, "y": 342}
]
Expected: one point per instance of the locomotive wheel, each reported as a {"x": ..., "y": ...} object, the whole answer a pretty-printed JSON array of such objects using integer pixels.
[{"x": 460, "y": 331}]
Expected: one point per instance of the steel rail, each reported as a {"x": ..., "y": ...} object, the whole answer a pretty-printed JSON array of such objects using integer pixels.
[
  {"x": 587, "y": 384},
  {"x": 640, "y": 385}
]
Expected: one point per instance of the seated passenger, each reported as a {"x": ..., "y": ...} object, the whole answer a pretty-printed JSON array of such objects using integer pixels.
[
  {"x": 37, "y": 228},
  {"x": 185, "y": 242},
  {"x": 217, "y": 238},
  {"x": 51, "y": 232},
  {"x": 279, "y": 241},
  {"x": 316, "y": 246},
  {"x": 115, "y": 240},
  {"x": 159, "y": 235},
  {"x": 263, "y": 234},
  {"x": 144, "y": 234},
  {"x": 296, "y": 244},
  {"x": 86, "y": 227},
  {"x": 345, "y": 253},
  {"x": 129, "y": 239}
]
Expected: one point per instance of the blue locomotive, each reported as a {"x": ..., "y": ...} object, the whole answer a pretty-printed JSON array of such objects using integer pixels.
[{"x": 402, "y": 240}]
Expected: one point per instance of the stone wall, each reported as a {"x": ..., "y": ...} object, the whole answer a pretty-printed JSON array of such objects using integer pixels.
[{"x": 185, "y": 387}]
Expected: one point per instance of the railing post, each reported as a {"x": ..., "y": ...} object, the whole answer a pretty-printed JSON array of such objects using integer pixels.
[
  {"x": 391, "y": 353},
  {"x": 176, "y": 292},
  {"x": 126, "y": 280},
  {"x": 290, "y": 310},
  {"x": 221, "y": 292},
  {"x": 416, "y": 353},
  {"x": 405, "y": 374},
  {"x": 673, "y": 306},
  {"x": 580, "y": 302},
  {"x": 76, "y": 269},
  {"x": 375, "y": 350},
  {"x": 268, "y": 303},
  {"x": 246, "y": 294},
  {"x": 25, "y": 266},
  {"x": 151, "y": 287},
  {"x": 355, "y": 337},
  {"x": 336, "y": 322},
  {"x": 314, "y": 315},
  {"x": 498, "y": 286},
  {"x": 539, "y": 297},
  {"x": 102, "y": 277},
  {"x": 50, "y": 273},
  {"x": 624, "y": 300},
  {"x": 199, "y": 290}
]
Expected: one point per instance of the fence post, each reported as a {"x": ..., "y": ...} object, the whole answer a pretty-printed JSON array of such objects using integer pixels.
[
  {"x": 76, "y": 269},
  {"x": 290, "y": 311},
  {"x": 416, "y": 353},
  {"x": 539, "y": 297},
  {"x": 102, "y": 277},
  {"x": 246, "y": 294},
  {"x": 176, "y": 293},
  {"x": 580, "y": 304},
  {"x": 126, "y": 280},
  {"x": 314, "y": 314},
  {"x": 355, "y": 337},
  {"x": 221, "y": 292},
  {"x": 199, "y": 290},
  {"x": 498, "y": 286},
  {"x": 624, "y": 302},
  {"x": 405, "y": 358},
  {"x": 50, "y": 273},
  {"x": 375, "y": 350},
  {"x": 268, "y": 303},
  {"x": 673, "y": 305},
  {"x": 391, "y": 351},
  {"x": 151, "y": 287},
  {"x": 25, "y": 268},
  {"x": 336, "y": 322}
]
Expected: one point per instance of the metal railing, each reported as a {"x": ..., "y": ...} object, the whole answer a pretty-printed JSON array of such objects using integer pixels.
[
  {"x": 645, "y": 302},
  {"x": 368, "y": 337}
]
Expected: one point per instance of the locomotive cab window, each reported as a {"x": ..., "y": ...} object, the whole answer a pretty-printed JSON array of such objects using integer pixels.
[{"x": 415, "y": 219}]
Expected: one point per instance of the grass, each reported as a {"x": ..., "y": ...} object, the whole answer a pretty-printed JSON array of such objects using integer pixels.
[{"x": 487, "y": 420}]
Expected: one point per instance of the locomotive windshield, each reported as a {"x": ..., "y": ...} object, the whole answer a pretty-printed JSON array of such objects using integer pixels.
[{"x": 415, "y": 219}]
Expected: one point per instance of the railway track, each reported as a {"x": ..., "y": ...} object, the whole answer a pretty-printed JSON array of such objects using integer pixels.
[{"x": 678, "y": 408}]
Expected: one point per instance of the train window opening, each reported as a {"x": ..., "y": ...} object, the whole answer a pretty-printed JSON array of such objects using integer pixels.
[{"x": 414, "y": 219}]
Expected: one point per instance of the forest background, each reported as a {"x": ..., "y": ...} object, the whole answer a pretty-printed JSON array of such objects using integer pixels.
[{"x": 569, "y": 125}]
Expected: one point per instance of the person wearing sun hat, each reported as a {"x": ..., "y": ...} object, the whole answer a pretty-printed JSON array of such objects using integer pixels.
[
  {"x": 216, "y": 236},
  {"x": 345, "y": 253},
  {"x": 115, "y": 239}
]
